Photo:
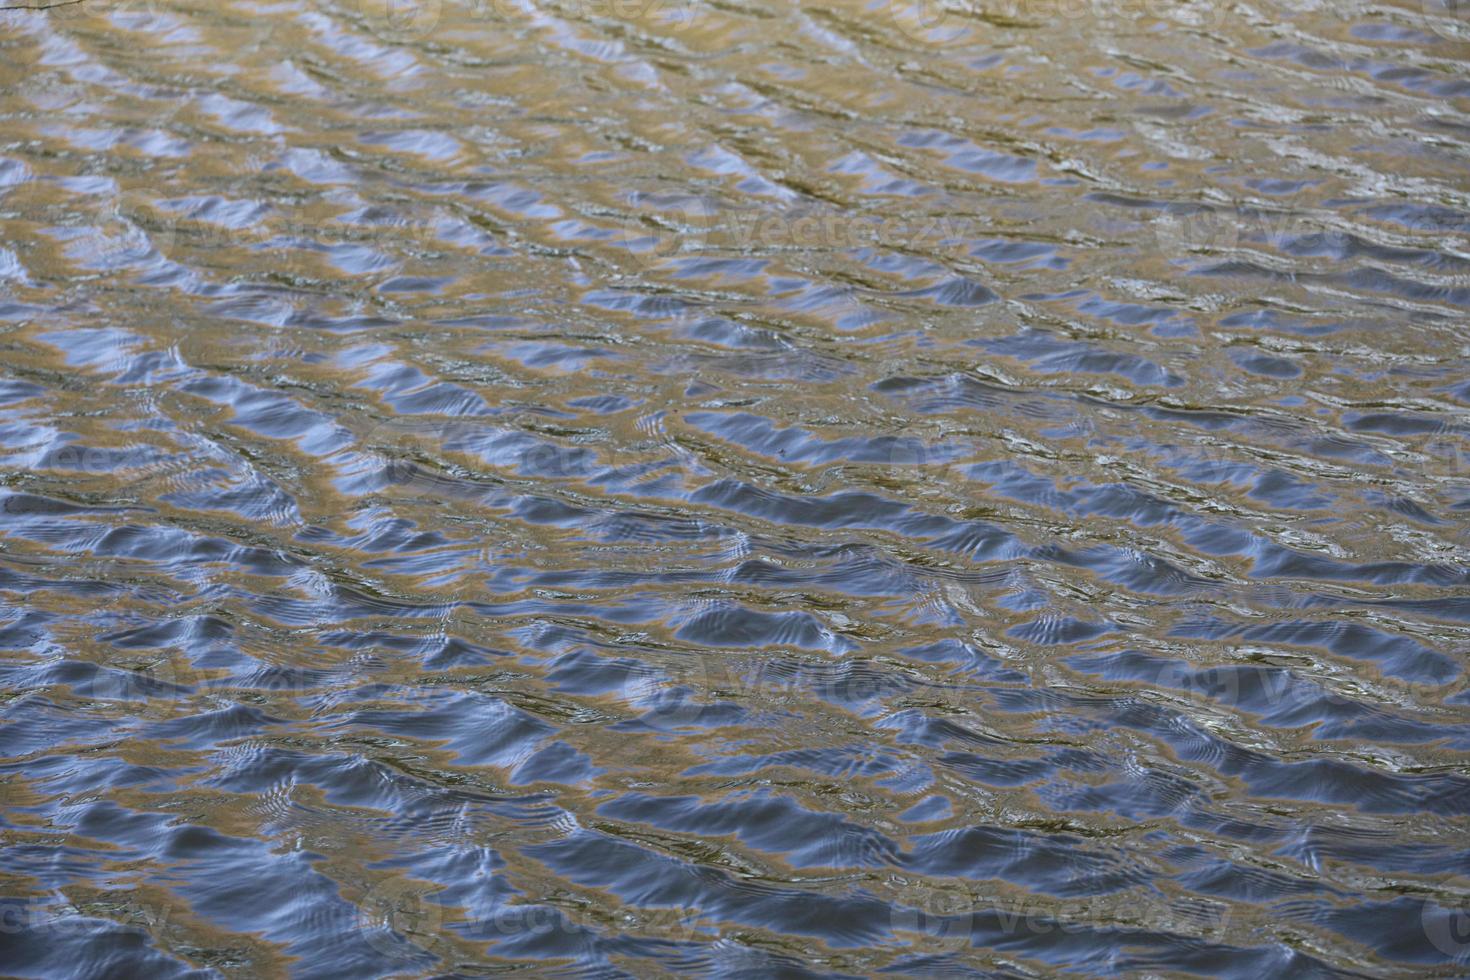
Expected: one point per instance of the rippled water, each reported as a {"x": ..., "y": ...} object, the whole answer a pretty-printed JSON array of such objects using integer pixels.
[{"x": 684, "y": 488}]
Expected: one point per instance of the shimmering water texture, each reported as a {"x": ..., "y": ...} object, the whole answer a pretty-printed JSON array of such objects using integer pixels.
[{"x": 662, "y": 488}]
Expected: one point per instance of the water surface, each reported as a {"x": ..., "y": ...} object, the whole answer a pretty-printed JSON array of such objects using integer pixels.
[{"x": 627, "y": 488}]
